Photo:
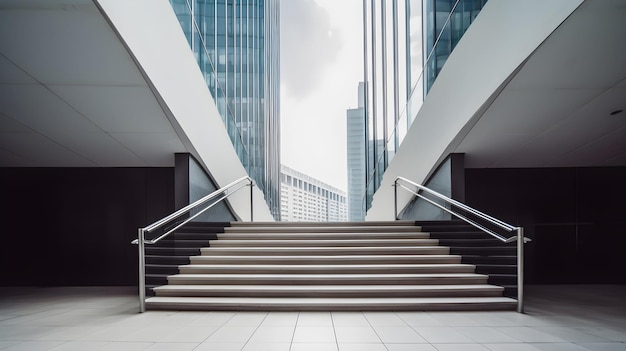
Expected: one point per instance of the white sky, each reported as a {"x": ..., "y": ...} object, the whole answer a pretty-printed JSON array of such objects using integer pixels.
[{"x": 321, "y": 66}]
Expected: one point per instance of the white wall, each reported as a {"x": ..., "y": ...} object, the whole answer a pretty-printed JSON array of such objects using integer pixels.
[
  {"x": 153, "y": 34},
  {"x": 503, "y": 36}
]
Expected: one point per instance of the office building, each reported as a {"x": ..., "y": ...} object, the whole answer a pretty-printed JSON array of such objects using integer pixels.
[
  {"x": 108, "y": 123},
  {"x": 236, "y": 45},
  {"x": 306, "y": 199},
  {"x": 355, "y": 139},
  {"x": 513, "y": 110}
]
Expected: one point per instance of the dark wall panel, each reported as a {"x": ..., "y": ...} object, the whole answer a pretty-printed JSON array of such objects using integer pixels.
[
  {"x": 73, "y": 226},
  {"x": 575, "y": 216}
]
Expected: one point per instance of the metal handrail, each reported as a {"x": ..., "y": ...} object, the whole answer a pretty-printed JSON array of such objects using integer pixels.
[
  {"x": 220, "y": 194},
  {"x": 519, "y": 237}
]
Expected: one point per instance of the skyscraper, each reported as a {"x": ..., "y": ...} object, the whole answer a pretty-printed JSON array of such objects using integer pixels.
[
  {"x": 236, "y": 44},
  {"x": 355, "y": 127}
]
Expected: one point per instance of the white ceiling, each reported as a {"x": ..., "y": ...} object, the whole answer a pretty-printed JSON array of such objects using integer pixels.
[
  {"x": 71, "y": 95},
  {"x": 556, "y": 111}
]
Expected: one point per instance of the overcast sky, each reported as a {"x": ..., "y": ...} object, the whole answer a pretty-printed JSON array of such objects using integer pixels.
[{"x": 321, "y": 66}]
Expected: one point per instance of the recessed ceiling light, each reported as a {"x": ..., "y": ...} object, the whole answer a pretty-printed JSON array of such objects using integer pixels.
[{"x": 616, "y": 112}]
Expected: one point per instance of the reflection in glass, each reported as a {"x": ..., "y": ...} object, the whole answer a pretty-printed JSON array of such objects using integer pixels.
[{"x": 236, "y": 46}]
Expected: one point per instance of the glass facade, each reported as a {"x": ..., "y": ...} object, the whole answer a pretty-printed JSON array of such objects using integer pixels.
[
  {"x": 406, "y": 43},
  {"x": 236, "y": 44}
]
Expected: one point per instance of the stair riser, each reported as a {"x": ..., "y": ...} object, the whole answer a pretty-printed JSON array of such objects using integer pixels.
[
  {"x": 310, "y": 270},
  {"x": 174, "y": 280},
  {"x": 426, "y": 259},
  {"x": 397, "y": 229},
  {"x": 329, "y": 251},
  {"x": 323, "y": 243},
  {"x": 331, "y": 294},
  {"x": 334, "y": 307},
  {"x": 323, "y": 236}
]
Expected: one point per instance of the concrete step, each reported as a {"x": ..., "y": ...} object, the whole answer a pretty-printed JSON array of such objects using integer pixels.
[
  {"x": 323, "y": 229},
  {"x": 337, "y": 291},
  {"x": 329, "y": 279},
  {"x": 337, "y": 259},
  {"x": 322, "y": 236},
  {"x": 331, "y": 304},
  {"x": 325, "y": 243},
  {"x": 324, "y": 268},
  {"x": 325, "y": 224},
  {"x": 284, "y": 251}
]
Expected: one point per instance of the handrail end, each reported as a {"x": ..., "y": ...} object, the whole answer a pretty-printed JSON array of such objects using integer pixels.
[
  {"x": 514, "y": 238},
  {"x": 135, "y": 242}
]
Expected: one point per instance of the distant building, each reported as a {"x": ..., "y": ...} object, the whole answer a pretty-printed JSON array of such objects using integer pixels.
[
  {"x": 355, "y": 128},
  {"x": 304, "y": 198}
]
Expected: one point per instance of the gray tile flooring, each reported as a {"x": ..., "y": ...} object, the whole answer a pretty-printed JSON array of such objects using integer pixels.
[{"x": 557, "y": 318}]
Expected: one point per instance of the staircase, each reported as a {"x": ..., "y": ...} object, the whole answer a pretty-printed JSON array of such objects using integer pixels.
[{"x": 308, "y": 266}]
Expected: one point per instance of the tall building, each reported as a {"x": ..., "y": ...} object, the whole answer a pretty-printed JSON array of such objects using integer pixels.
[
  {"x": 306, "y": 199},
  {"x": 236, "y": 44},
  {"x": 355, "y": 140},
  {"x": 514, "y": 111}
]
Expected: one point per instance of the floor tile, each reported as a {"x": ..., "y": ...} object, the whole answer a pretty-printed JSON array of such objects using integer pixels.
[
  {"x": 528, "y": 334},
  {"x": 410, "y": 347},
  {"x": 80, "y": 346},
  {"x": 443, "y": 335},
  {"x": 172, "y": 346},
  {"x": 281, "y": 319},
  {"x": 32, "y": 346},
  {"x": 247, "y": 319},
  {"x": 220, "y": 346},
  {"x": 604, "y": 346},
  {"x": 384, "y": 319},
  {"x": 453, "y": 319},
  {"x": 558, "y": 347},
  {"x": 349, "y": 319},
  {"x": 314, "y": 347},
  {"x": 484, "y": 335},
  {"x": 419, "y": 319},
  {"x": 572, "y": 335},
  {"x": 267, "y": 346},
  {"x": 362, "y": 347},
  {"x": 460, "y": 347},
  {"x": 314, "y": 335},
  {"x": 606, "y": 333},
  {"x": 315, "y": 319},
  {"x": 126, "y": 346},
  {"x": 272, "y": 334},
  {"x": 231, "y": 334},
  {"x": 356, "y": 335},
  {"x": 511, "y": 347},
  {"x": 214, "y": 318},
  {"x": 403, "y": 335}
]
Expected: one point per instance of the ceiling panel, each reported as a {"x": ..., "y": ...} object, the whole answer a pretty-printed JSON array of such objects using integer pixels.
[
  {"x": 556, "y": 110},
  {"x": 41, "y": 110},
  {"x": 65, "y": 44},
  {"x": 11, "y": 74},
  {"x": 157, "y": 149}
]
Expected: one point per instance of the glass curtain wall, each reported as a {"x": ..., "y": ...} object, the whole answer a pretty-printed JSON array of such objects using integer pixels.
[
  {"x": 406, "y": 43},
  {"x": 236, "y": 44}
]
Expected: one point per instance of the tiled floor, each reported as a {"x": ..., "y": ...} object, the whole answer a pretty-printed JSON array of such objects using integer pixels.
[{"x": 558, "y": 318}]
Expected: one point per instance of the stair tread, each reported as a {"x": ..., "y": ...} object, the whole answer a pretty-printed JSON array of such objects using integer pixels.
[
  {"x": 329, "y": 276},
  {"x": 364, "y": 303},
  {"x": 330, "y": 287},
  {"x": 324, "y": 242}
]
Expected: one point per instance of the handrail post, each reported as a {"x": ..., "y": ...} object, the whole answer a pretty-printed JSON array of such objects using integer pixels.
[
  {"x": 520, "y": 270},
  {"x": 395, "y": 199},
  {"x": 142, "y": 271},
  {"x": 251, "y": 200}
]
